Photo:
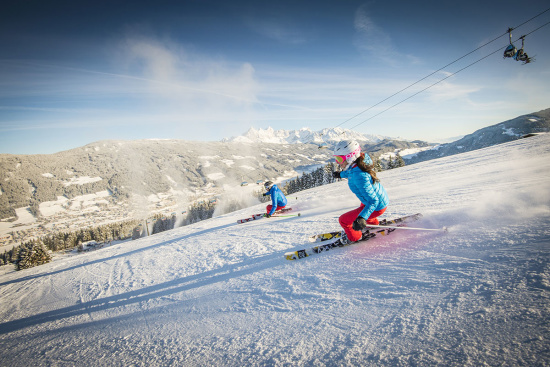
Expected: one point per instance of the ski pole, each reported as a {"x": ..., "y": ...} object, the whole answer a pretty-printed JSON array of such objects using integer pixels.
[
  {"x": 285, "y": 215},
  {"x": 444, "y": 229}
]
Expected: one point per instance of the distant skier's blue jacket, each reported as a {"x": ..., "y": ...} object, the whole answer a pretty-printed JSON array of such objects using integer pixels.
[
  {"x": 277, "y": 198},
  {"x": 371, "y": 194}
]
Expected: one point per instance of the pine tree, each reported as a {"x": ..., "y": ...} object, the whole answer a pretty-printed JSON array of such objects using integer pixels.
[
  {"x": 318, "y": 177},
  {"x": 31, "y": 254},
  {"x": 399, "y": 162},
  {"x": 378, "y": 165},
  {"x": 14, "y": 252},
  {"x": 137, "y": 232},
  {"x": 390, "y": 163}
]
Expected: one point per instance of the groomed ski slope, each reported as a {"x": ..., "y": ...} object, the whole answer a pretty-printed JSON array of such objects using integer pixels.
[{"x": 218, "y": 293}]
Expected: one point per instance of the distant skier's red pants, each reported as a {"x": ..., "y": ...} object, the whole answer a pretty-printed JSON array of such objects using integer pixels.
[
  {"x": 346, "y": 221},
  {"x": 269, "y": 207}
]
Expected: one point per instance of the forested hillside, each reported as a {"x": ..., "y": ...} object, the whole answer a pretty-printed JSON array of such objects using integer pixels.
[{"x": 143, "y": 167}]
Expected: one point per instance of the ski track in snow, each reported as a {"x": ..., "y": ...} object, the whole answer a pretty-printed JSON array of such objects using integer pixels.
[{"x": 217, "y": 293}]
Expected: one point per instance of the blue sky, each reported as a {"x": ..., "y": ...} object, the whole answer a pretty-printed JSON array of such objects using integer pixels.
[{"x": 75, "y": 72}]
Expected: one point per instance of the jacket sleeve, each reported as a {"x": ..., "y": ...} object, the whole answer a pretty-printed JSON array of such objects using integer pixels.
[
  {"x": 361, "y": 185},
  {"x": 274, "y": 195}
]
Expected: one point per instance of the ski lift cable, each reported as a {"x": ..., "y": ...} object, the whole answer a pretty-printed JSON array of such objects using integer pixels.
[
  {"x": 527, "y": 21},
  {"x": 533, "y": 31},
  {"x": 438, "y": 70},
  {"x": 447, "y": 77},
  {"x": 418, "y": 81}
]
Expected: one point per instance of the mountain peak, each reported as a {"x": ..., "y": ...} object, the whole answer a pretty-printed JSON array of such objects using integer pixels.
[{"x": 304, "y": 135}]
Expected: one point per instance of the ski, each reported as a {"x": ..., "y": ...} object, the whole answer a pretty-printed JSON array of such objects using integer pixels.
[
  {"x": 300, "y": 254},
  {"x": 262, "y": 215},
  {"x": 254, "y": 217},
  {"x": 284, "y": 210},
  {"x": 337, "y": 234},
  {"x": 370, "y": 233},
  {"x": 325, "y": 236}
]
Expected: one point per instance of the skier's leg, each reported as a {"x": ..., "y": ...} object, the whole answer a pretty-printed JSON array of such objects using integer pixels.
[
  {"x": 346, "y": 221},
  {"x": 373, "y": 217}
]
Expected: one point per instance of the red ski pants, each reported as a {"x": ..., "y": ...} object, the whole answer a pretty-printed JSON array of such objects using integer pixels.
[
  {"x": 346, "y": 221},
  {"x": 269, "y": 207}
]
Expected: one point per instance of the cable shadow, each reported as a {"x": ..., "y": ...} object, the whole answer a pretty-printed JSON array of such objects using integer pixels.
[
  {"x": 211, "y": 277},
  {"x": 30, "y": 277}
]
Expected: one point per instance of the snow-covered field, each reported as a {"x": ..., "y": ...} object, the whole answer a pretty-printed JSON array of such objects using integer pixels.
[{"x": 218, "y": 293}]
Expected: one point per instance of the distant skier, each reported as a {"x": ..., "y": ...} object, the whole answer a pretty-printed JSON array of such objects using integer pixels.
[
  {"x": 521, "y": 55},
  {"x": 359, "y": 170},
  {"x": 513, "y": 52},
  {"x": 278, "y": 199}
]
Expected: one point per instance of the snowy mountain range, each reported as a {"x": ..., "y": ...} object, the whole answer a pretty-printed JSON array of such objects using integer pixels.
[
  {"x": 305, "y": 136},
  {"x": 383, "y": 147},
  {"x": 142, "y": 173},
  {"x": 218, "y": 293},
  {"x": 377, "y": 146},
  {"x": 155, "y": 169},
  {"x": 522, "y": 126},
  {"x": 111, "y": 180}
]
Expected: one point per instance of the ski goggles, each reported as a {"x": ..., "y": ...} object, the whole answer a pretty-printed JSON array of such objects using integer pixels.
[{"x": 342, "y": 158}]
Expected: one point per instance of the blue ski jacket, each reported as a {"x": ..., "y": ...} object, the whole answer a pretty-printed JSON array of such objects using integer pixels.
[
  {"x": 277, "y": 198},
  {"x": 371, "y": 194}
]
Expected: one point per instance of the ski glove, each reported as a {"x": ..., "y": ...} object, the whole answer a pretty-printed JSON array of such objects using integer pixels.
[
  {"x": 336, "y": 174},
  {"x": 359, "y": 224}
]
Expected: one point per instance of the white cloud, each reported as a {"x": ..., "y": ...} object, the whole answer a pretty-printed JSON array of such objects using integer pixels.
[
  {"x": 178, "y": 74},
  {"x": 282, "y": 33},
  {"x": 446, "y": 91},
  {"x": 375, "y": 42},
  {"x": 153, "y": 82},
  {"x": 283, "y": 28},
  {"x": 372, "y": 39}
]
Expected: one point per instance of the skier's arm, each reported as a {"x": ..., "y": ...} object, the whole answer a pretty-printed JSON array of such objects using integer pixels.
[
  {"x": 368, "y": 197},
  {"x": 273, "y": 202},
  {"x": 345, "y": 173}
]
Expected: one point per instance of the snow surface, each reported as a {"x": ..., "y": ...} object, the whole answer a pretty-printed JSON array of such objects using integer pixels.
[
  {"x": 215, "y": 176},
  {"x": 217, "y": 293},
  {"x": 82, "y": 180},
  {"x": 25, "y": 220},
  {"x": 75, "y": 204}
]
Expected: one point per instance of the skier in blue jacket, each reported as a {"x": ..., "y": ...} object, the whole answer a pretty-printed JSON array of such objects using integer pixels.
[
  {"x": 362, "y": 181},
  {"x": 278, "y": 199}
]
